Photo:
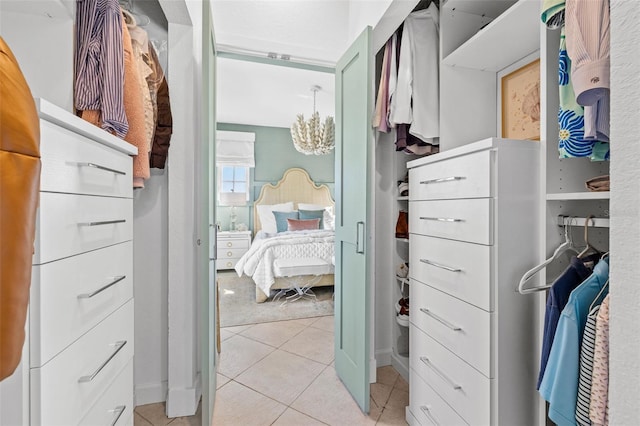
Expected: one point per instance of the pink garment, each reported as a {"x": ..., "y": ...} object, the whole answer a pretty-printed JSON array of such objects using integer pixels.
[
  {"x": 382, "y": 106},
  {"x": 599, "y": 406}
]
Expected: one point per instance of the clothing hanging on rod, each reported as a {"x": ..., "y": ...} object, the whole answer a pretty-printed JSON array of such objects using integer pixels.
[
  {"x": 599, "y": 403},
  {"x": 559, "y": 385}
]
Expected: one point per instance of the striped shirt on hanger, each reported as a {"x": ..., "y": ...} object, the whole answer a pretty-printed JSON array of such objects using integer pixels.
[
  {"x": 586, "y": 368},
  {"x": 99, "y": 63}
]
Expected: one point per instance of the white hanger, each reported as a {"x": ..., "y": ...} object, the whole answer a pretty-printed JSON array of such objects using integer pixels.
[
  {"x": 567, "y": 245},
  {"x": 589, "y": 248}
]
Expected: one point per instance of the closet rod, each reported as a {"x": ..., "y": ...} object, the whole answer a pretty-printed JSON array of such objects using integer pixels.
[{"x": 597, "y": 222}]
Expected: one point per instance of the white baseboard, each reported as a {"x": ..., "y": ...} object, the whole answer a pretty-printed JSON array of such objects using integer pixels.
[
  {"x": 184, "y": 401},
  {"x": 150, "y": 393},
  {"x": 401, "y": 365},
  {"x": 383, "y": 357}
]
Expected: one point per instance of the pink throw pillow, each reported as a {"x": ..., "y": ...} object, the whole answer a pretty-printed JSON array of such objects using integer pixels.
[{"x": 302, "y": 224}]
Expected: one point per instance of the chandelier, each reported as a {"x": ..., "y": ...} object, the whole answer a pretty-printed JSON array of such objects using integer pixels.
[{"x": 309, "y": 137}]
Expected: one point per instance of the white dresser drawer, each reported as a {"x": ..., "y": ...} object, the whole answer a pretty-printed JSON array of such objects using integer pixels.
[
  {"x": 115, "y": 406},
  {"x": 61, "y": 391},
  {"x": 70, "y": 296},
  {"x": 226, "y": 263},
  {"x": 468, "y": 176},
  {"x": 73, "y": 224},
  {"x": 460, "y": 327},
  {"x": 225, "y": 253},
  {"x": 427, "y": 407},
  {"x": 462, "y": 220},
  {"x": 74, "y": 164},
  {"x": 462, "y": 386},
  {"x": 233, "y": 243},
  {"x": 460, "y": 269}
]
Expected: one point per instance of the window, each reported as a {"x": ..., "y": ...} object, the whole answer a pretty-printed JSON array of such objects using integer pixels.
[{"x": 233, "y": 179}]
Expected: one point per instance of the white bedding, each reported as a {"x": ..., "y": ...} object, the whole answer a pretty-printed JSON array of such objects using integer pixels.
[{"x": 258, "y": 261}]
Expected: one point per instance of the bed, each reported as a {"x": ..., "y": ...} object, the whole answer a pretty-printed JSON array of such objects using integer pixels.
[{"x": 280, "y": 261}]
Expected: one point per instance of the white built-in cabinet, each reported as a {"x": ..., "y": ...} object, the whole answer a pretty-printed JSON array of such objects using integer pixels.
[{"x": 480, "y": 42}]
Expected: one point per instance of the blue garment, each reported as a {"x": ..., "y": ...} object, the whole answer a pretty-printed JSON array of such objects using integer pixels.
[
  {"x": 560, "y": 382},
  {"x": 557, "y": 299}
]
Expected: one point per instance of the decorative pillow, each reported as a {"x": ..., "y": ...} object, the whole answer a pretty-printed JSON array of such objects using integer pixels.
[
  {"x": 303, "y": 224},
  {"x": 267, "y": 219},
  {"x": 281, "y": 219},
  {"x": 313, "y": 214},
  {"x": 328, "y": 221}
]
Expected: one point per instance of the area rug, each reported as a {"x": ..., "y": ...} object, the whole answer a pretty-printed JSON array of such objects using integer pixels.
[{"x": 238, "y": 303}]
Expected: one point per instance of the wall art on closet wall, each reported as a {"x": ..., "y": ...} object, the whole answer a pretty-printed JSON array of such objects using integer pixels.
[{"x": 521, "y": 103}]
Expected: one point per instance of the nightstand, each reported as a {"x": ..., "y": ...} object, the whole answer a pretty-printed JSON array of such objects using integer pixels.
[{"x": 231, "y": 246}]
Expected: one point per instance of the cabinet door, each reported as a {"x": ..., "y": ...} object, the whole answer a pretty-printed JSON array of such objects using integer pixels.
[{"x": 353, "y": 136}]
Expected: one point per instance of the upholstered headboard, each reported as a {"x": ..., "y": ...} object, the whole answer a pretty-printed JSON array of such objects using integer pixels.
[{"x": 296, "y": 186}]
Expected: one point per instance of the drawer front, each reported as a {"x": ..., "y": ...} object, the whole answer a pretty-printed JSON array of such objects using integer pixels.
[
  {"x": 75, "y": 164},
  {"x": 468, "y": 176},
  {"x": 428, "y": 407},
  {"x": 115, "y": 406},
  {"x": 460, "y": 327},
  {"x": 460, "y": 269},
  {"x": 225, "y": 253},
  {"x": 72, "y": 295},
  {"x": 466, "y": 390},
  {"x": 73, "y": 224},
  {"x": 226, "y": 263},
  {"x": 462, "y": 220},
  {"x": 232, "y": 243},
  {"x": 62, "y": 392}
]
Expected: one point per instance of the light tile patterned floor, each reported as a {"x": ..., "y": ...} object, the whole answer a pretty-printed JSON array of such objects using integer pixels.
[{"x": 282, "y": 374}]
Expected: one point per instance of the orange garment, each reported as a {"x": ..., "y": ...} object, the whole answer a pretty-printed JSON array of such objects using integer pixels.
[
  {"x": 19, "y": 191},
  {"x": 134, "y": 108}
]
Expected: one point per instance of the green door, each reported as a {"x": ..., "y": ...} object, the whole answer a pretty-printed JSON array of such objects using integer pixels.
[
  {"x": 207, "y": 197},
  {"x": 352, "y": 291}
]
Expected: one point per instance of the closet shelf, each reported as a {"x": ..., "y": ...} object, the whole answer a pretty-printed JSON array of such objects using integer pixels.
[
  {"x": 404, "y": 240},
  {"x": 402, "y": 280},
  {"x": 405, "y": 198},
  {"x": 507, "y": 39},
  {"x": 568, "y": 196}
]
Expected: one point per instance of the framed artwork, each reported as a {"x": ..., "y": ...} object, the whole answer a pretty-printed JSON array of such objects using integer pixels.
[{"x": 521, "y": 103}]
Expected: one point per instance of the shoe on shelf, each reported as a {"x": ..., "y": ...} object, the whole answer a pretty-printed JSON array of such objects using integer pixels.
[
  {"x": 402, "y": 225},
  {"x": 403, "y": 189},
  {"x": 403, "y": 316},
  {"x": 402, "y": 270}
]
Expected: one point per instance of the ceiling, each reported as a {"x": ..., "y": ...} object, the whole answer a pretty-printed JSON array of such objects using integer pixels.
[{"x": 309, "y": 31}]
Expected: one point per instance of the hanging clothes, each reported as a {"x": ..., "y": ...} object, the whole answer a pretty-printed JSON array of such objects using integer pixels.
[
  {"x": 586, "y": 368},
  {"x": 559, "y": 384},
  {"x": 557, "y": 299},
  {"x": 393, "y": 76},
  {"x": 99, "y": 67},
  {"x": 140, "y": 44},
  {"x": 553, "y": 13},
  {"x": 133, "y": 104},
  {"x": 599, "y": 404},
  {"x": 380, "y": 115},
  {"x": 164, "y": 119},
  {"x": 416, "y": 98},
  {"x": 571, "y": 120}
]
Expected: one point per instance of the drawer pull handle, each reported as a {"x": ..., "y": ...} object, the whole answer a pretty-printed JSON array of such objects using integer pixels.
[
  {"x": 441, "y": 266},
  {"x": 229, "y": 254},
  {"x": 441, "y": 219},
  {"x": 427, "y": 413},
  {"x": 441, "y": 320},
  {"x": 105, "y": 222},
  {"x": 229, "y": 244},
  {"x": 119, "y": 410},
  {"x": 119, "y": 345},
  {"x": 229, "y": 264},
  {"x": 443, "y": 376},
  {"x": 447, "y": 179},
  {"x": 99, "y": 167},
  {"x": 101, "y": 289}
]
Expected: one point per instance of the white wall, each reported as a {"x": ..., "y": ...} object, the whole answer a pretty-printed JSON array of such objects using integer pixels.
[
  {"x": 363, "y": 13},
  {"x": 625, "y": 214}
]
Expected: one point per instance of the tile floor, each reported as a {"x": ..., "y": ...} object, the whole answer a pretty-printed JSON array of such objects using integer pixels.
[{"x": 282, "y": 374}]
